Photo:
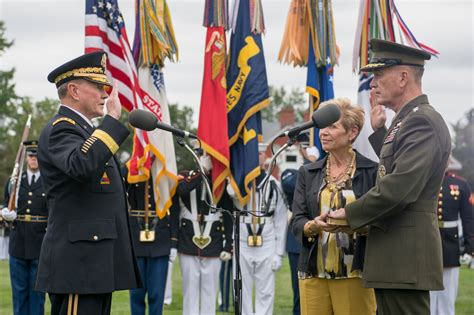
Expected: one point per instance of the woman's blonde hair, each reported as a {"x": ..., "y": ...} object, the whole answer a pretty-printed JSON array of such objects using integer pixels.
[{"x": 351, "y": 115}]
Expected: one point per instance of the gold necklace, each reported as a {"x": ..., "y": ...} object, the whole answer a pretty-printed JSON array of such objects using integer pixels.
[{"x": 339, "y": 181}]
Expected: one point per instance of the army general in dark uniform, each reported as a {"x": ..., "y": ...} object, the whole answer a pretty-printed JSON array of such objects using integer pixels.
[
  {"x": 87, "y": 251},
  {"x": 403, "y": 259}
]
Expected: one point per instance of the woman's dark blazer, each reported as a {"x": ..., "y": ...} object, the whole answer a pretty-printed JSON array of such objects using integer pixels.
[{"x": 306, "y": 207}]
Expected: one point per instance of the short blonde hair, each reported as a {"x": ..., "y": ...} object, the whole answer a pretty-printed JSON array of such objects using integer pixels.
[{"x": 351, "y": 115}]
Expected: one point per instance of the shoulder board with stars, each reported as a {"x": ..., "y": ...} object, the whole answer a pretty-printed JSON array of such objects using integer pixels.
[{"x": 69, "y": 120}]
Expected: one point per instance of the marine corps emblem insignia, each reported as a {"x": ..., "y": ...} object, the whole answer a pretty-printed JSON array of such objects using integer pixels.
[{"x": 382, "y": 171}]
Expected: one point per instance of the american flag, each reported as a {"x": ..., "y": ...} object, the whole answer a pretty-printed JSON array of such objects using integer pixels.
[{"x": 105, "y": 30}]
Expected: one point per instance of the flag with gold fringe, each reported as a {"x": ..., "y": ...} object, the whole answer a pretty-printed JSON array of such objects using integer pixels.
[
  {"x": 153, "y": 151},
  {"x": 247, "y": 94},
  {"x": 213, "y": 110},
  {"x": 377, "y": 19},
  {"x": 309, "y": 40}
]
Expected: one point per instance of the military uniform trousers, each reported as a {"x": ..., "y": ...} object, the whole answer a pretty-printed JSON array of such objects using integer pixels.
[
  {"x": 256, "y": 269},
  {"x": 293, "y": 260},
  {"x": 200, "y": 283},
  {"x": 443, "y": 302},
  {"x": 402, "y": 301},
  {"x": 4, "y": 240},
  {"x": 154, "y": 271},
  {"x": 26, "y": 301},
  {"x": 225, "y": 287},
  {"x": 293, "y": 249},
  {"x": 80, "y": 304}
]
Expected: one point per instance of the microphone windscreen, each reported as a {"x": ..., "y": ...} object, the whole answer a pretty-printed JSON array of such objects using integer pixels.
[
  {"x": 142, "y": 119},
  {"x": 326, "y": 116}
]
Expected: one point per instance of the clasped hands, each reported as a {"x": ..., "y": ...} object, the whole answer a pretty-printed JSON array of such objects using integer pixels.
[{"x": 318, "y": 224}]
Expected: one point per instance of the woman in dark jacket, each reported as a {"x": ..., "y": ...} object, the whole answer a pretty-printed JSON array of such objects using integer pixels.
[{"x": 331, "y": 258}]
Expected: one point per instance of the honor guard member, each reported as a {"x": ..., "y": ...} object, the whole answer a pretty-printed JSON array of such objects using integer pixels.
[
  {"x": 403, "y": 259},
  {"x": 205, "y": 239},
  {"x": 453, "y": 202},
  {"x": 155, "y": 241},
  {"x": 293, "y": 247},
  {"x": 28, "y": 226},
  {"x": 262, "y": 244},
  {"x": 87, "y": 251}
]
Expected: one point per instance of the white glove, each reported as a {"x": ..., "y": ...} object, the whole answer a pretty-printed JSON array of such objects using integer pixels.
[
  {"x": 276, "y": 262},
  {"x": 230, "y": 190},
  {"x": 8, "y": 215},
  {"x": 233, "y": 196},
  {"x": 206, "y": 162},
  {"x": 173, "y": 254},
  {"x": 465, "y": 259},
  {"x": 225, "y": 256}
]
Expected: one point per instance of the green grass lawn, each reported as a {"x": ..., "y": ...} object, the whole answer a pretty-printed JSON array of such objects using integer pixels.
[{"x": 283, "y": 298}]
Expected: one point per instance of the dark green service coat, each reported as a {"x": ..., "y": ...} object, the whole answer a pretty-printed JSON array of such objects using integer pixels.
[{"x": 403, "y": 245}]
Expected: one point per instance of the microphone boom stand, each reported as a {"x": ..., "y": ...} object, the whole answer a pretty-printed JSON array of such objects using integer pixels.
[{"x": 266, "y": 179}]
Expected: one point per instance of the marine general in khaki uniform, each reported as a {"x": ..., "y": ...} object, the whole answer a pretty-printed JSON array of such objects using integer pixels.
[{"x": 403, "y": 259}]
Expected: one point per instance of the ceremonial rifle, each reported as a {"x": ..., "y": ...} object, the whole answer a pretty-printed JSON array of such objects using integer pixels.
[{"x": 18, "y": 168}]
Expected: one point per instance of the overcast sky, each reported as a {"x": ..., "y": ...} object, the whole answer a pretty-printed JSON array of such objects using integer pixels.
[{"x": 49, "y": 33}]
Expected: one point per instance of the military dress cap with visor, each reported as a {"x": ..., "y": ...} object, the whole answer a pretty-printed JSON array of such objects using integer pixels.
[
  {"x": 31, "y": 147},
  {"x": 91, "y": 67},
  {"x": 387, "y": 54}
]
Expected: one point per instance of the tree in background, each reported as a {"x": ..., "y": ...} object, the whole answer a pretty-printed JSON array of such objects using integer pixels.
[
  {"x": 14, "y": 111},
  {"x": 281, "y": 98},
  {"x": 464, "y": 145},
  {"x": 182, "y": 117}
]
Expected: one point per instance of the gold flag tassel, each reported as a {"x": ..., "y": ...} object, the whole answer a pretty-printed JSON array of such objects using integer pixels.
[
  {"x": 294, "y": 45},
  {"x": 157, "y": 33}
]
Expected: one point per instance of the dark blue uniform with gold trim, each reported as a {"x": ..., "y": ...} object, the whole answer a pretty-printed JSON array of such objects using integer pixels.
[
  {"x": 221, "y": 230},
  {"x": 166, "y": 229},
  {"x": 26, "y": 235},
  {"x": 87, "y": 248},
  {"x": 152, "y": 252},
  {"x": 453, "y": 202},
  {"x": 28, "y": 229}
]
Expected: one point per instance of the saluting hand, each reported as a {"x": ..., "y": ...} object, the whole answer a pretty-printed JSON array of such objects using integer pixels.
[
  {"x": 114, "y": 107},
  {"x": 378, "y": 117}
]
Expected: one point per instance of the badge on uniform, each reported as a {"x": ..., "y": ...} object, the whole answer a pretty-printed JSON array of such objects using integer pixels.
[
  {"x": 201, "y": 241},
  {"x": 105, "y": 179},
  {"x": 147, "y": 236},
  {"x": 254, "y": 241},
  {"x": 454, "y": 191},
  {"x": 382, "y": 171},
  {"x": 392, "y": 133}
]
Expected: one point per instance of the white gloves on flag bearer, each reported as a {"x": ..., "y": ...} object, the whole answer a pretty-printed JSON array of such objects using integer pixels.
[
  {"x": 276, "y": 262},
  {"x": 8, "y": 215},
  {"x": 225, "y": 256},
  {"x": 173, "y": 254},
  {"x": 465, "y": 259}
]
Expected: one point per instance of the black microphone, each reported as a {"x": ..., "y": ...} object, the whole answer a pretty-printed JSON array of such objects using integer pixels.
[
  {"x": 145, "y": 120},
  {"x": 323, "y": 117}
]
